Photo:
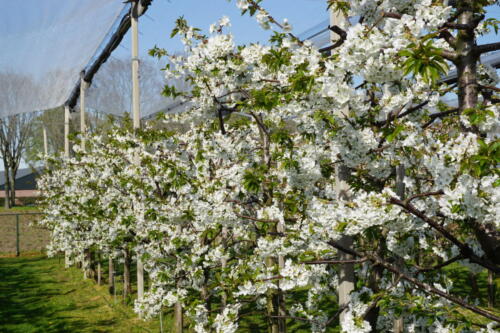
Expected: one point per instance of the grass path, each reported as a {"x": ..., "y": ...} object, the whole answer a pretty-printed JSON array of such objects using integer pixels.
[{"x": 38, "y": 295}]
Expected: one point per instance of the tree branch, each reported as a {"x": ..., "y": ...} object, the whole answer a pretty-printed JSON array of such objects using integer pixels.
[
  {"x": 423, "y": 195},
  {"x": 435, "y": 116},
  {"x": 423, "y": 286},
  {"x": 334, "y": 262},
  {"x": 448, "y": 37},
  {"x": 256, "y": 219},
  {"x": 446, "y": 263},
  {"x": 401, "y": 115},
  {"x": 465, "y": 250},
  {"x": 480, "y": 49},
  {"x": 342, "y": 34},
  {"x": 490, "y": 88}
]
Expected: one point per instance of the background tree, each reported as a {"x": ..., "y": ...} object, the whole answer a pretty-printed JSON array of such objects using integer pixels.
[{"x": 14, "y": 130}]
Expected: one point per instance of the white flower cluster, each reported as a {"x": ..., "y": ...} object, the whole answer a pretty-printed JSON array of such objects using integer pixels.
[{"x": 285, "y": 155}]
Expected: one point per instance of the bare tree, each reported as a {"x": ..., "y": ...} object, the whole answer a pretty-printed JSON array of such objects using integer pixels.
[
  {"x": 14, "y": 129},
  {"x": 14, "y": 133}
]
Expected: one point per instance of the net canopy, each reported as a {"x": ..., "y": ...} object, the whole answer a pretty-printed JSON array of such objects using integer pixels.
[
  {"x": 111, "y": 89},
  {"x": 45, "y": 45}
]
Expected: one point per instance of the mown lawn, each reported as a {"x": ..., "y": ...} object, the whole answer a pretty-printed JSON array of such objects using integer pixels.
[{"x": 38, "y": 295}]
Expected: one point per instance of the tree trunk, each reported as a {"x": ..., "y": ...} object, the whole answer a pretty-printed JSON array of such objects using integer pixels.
[
  {"x": 467, "y": 59},
  {"x": 468, "y": 97},
  {"x": 111, "y": 276},
  {"x": 88, "y": 268},
  {"x": 7, "y": 194},
  {"x": 127, "y": 286},
  {"x": 178, "y": 315},
  {"x": 272, "y": 304},
  {"x": 491, "y": 289},
  {"x": 224, "y": 265},
  {"x": 12, "y": 175},
  {"x": 7, "y": 183},
  {"x": 474, "y": 286}
]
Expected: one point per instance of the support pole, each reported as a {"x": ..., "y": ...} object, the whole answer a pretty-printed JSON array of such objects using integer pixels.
[
  {"x": 135, "y": 66},
  {"x": 66, "y": 131},
  {"x": 83, "y": 127},
  {"x": 99, "y": 269},
  {"x": 346, "y": 272},
  {"x": 136, "y": 112},
  {"x": 45, "y": 143},
  {"x": 66, "y": 154},
  {"x": 398, "y": 323},
  {"x": 18, "y": 251}
]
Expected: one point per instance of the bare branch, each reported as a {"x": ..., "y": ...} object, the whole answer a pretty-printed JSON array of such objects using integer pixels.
[
  {"x": 480, "y": 49},
  {"x": 439, "y": 266},
  {"x": 448, "y": 37},
  {"x": 342, "y": 34},
  {"x": 490, "y": 88},
  {"x": 334, "y": 262},
  {"x": 435, "y": 116},
  {"x": 423, "y": 195},
  {"x": 421, "y": 285},
  {"x": 465, "y": 250},
  {"x": 256, "y": 219}
]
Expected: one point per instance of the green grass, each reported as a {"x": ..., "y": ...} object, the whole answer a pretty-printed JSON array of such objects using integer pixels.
[
  {"x": 22, "y": 209},
  {"x": 38, "y": 295}
]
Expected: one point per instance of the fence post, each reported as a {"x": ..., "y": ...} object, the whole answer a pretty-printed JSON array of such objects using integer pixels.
[{"x": 18, "y": 252}]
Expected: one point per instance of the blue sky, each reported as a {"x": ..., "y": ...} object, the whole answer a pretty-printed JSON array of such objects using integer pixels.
[{"x": 155, "y": 27}]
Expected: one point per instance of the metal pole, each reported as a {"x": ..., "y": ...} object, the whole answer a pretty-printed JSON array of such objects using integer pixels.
[
  {"x": 136, "y": 111},
  {"x": 18, "y": 252},
  {"x": 66, "y": 130}
]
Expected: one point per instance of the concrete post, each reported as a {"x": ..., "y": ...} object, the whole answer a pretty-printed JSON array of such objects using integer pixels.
[
  {"x": 66, "y": 130},
  {"x": 83, "y": 127},
  {"x": 66, "y": 154},
  {"x": 18, "y": 251},
  {"x": 398, "y": 324},
  {"x": 346, "y": 272},
  {"x": 45, "y": 142},
  {"x": 136, "y": 111}
]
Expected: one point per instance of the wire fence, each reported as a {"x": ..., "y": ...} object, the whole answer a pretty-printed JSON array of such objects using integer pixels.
[{"x": 20, "y": 234}]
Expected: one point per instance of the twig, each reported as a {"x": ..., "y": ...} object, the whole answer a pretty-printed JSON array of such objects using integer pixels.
[
  {"x": 256, "y": 219},
  {"x": 334, "y": 262},
  {"x": 423, "y": 195},
  {"x": 446, "y": 263}
]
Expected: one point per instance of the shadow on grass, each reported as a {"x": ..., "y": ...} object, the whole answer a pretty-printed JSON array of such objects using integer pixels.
[{"x": 32, "y": 301}]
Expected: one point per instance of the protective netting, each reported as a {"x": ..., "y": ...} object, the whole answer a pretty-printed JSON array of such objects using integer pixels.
[
  {"x": 111, "y": 89},
  {"x": 45, "y": 44}
]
